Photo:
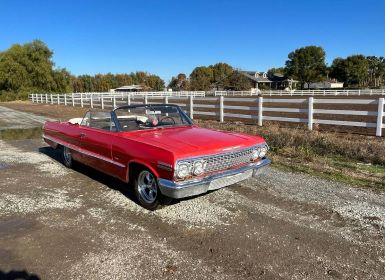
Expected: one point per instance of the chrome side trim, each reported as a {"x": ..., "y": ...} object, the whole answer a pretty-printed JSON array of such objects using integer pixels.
[
  {"x": 82, "y": 151},
  {"x": 165, "y": 166}
]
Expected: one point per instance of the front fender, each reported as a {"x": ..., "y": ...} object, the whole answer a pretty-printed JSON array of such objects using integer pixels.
[{"x": 145, "y": 164}]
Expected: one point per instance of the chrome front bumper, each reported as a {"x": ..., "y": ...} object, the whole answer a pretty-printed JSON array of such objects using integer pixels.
[{"x": 216, "y": 181}]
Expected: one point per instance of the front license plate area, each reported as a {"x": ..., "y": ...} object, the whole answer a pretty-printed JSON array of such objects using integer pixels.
[{"x": 229, "y": 180}]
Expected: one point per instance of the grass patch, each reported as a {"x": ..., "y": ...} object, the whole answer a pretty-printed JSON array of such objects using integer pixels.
[
  {"x": 16, "y": 134},
  {"x": 353, "y": 159}
]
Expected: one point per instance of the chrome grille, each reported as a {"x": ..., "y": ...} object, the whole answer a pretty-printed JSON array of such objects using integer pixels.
[{"x": 228, "y": 160}]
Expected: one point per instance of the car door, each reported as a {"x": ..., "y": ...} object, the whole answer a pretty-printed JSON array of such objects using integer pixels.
[{"x": 96, "y": 142}]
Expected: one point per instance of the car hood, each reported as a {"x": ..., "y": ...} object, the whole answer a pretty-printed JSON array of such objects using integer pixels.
[{"x": 193, "y": 140}]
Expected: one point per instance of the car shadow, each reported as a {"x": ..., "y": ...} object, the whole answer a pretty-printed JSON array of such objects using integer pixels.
[
  {"x": 107, "y": 180},
  {"x": 18, "y": 275}
]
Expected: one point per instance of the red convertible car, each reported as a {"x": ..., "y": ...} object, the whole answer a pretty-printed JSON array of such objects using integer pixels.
[{"x": 159, "y": 150}]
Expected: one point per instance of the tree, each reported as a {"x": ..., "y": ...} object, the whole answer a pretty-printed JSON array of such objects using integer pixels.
[
  {"x": 179, "y": 83},
  {"x": 338, "y": 70},
  {"x": 62, "y": 80},
  {"x": 307, "y": 65},
  {"x": 357, "y": 69},
  {"x": 27, "y": 66},
  {"x": 237, "y": 81},
  {"x": 279, "y": 70},
  {"x": 201, "y": 78},
  {"x": 221, "y": 72},
  {"x": 376, "y": 69}
]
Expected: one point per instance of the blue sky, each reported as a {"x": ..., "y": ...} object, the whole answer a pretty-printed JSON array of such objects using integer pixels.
[{"x": 169, "y": 37}]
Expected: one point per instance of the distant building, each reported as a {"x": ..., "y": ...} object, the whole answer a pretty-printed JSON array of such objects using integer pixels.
[
  {"x": 130, "y": 88},
  {"x": 329, "y": 84},
  {"x": 271, "y": 81}
]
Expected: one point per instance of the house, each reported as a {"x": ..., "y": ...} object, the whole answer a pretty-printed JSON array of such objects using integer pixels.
[
  {"x": 269, "y": 81},
  {"x": 328, "y": 84},
  {"x": 130, "y": 88}
]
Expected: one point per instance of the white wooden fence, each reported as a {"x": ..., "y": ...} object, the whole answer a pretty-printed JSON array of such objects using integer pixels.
[
  {"x": 223, "y": 107},
  {"x": 308, "y": 92}
]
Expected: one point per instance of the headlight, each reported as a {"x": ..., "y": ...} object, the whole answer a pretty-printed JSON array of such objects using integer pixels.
[
  {"x": 183, "y": 170},
  {"x": 263, "y": 151},
  {"x": 255, "y": 154},
  {"x": 199, "y": 167}
]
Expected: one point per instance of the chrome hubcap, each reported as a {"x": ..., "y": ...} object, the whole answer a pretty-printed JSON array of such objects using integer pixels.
[
  {"x": 67, "y": 155},
  {"x": 147, "y": 186}
]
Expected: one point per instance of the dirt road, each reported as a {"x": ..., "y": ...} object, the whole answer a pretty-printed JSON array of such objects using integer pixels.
[{"x": 58, "y": 223}]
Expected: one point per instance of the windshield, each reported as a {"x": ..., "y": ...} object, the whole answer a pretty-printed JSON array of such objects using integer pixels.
[{"x": 150, "y": 116}]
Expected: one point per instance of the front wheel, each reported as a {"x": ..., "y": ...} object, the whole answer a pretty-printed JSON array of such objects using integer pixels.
[{"x": 147, "y": 190}]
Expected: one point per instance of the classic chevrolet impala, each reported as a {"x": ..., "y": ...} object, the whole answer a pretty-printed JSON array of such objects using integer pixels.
[{"x": 158, "y": 150}]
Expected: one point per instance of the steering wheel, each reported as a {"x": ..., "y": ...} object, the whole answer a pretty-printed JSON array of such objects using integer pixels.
[{"x": 167, "y": 117}]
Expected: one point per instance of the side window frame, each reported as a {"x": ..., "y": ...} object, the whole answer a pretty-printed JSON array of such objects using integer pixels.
[{"x": 84, "y": 121}]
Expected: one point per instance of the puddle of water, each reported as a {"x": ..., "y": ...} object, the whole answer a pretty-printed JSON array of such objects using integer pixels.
[
  {"x": 15, "y": 226},
  {"x": 16, "y": 134},
  {"x": 3, "y": 165}
]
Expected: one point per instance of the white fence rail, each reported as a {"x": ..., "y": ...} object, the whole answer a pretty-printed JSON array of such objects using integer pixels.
[
  {"x": 223, "y": 107},
  {"x": 316, "y": 92}
]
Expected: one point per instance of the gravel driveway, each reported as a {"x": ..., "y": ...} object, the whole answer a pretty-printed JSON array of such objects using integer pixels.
[
  {"x": 57, "y": 223},
  {"x": 79, "y": 224}
]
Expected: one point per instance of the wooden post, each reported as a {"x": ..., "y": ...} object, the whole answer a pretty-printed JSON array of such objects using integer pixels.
[
  {"x": 81, "y": 100},
  {"x": 191, "y": 111},
  {"x": 41, "y": 97},
  {"x": 46, "y": 99},
  {"x": 166, "y": 99},
  {"x": 65, "y": 99},
  {"x": 380, "y": 116},
  {"x": 145, "y": 100},
  {"x": 128, "y": 99},
  {"x": 51, "y": 99},
  {"x": 114, "y": 102},
  {"x": 260, "y": 110},
  {"x": 310, "y": 114},
  {"x": 92, "y": 101},
  {"x": 102, "y": 100},
  {"x": 221, "y": 114},
  {"x": 58, "y": 99},
  {"x": 73, "y": 100}
]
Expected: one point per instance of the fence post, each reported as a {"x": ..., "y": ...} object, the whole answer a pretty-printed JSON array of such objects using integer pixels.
[
  {"x": 92, "y": 101},
  {"x": 260, "y": 110},
  {"x": 166, "y": 99},
  {"x": 81, "y": 100},
  {"x": 114, "y": 104},
  {"x": 46, "y": 99},
  {"x": 129, "y": 99},
  {"x": 191, "y": 111},
  {"x": 102, "y": 100},
  {"x": 380, "y": 116},
  {"x": 58, "y": 99},
  {"x": 221, "y": 115},
  {"x": 73, "y": 100},
  {"x": 65, "y": 99},
  {"x": 310, "y": 114},
  {"x": 51, "y": 99},
  {"x": 145, "y": 101}
]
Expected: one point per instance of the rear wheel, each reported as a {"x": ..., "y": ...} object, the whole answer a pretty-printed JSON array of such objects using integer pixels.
[
  {"x": 67, "y": 157},
  {"x": 147, "y": 190}
]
